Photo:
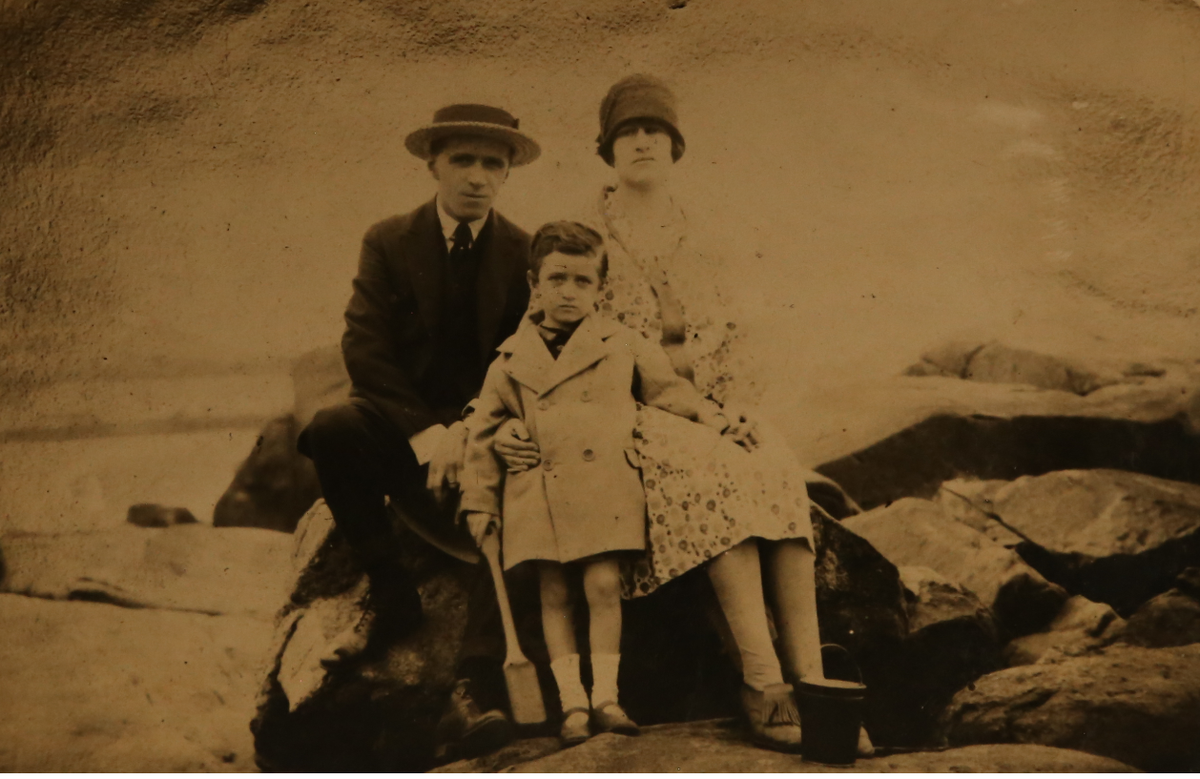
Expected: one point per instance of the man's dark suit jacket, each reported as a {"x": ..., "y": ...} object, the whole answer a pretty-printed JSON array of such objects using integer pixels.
[{"x": 397, "y": 308}]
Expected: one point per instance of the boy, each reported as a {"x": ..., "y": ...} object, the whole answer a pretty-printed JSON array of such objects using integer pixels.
[{"x": 575, "y": 380}]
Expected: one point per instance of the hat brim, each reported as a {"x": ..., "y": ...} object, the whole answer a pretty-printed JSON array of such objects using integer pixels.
[{"x": 525, "y": 149}]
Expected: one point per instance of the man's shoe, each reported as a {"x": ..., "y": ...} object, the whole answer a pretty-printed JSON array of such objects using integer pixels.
[
  {"x": 609, "y": 717},
  {"x": 773, "y": 718},
  {"x": 465, "y": 732}
]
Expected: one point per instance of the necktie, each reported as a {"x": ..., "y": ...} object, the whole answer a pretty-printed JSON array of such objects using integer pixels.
[{"x": 462, "y": 242}]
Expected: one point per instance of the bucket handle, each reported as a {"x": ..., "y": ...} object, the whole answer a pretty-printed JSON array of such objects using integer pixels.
[{"x": 849, "y": 660}]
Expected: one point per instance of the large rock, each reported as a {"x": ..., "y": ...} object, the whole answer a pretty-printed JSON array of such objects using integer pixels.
[
  {"x": 953, "y": 639},
  {"x": 1139, "y": 706},
  {"x": 913, "y": 532},
  {"x": 92, "y": 687},
  {"x": 998, "y": 363},
  {"x": 720, "y": 747},
  {"x": 1082, "y": 627},
  {"x": 382, "y": 716},
  {"x": 1115, "y": 537},
  {"x": 1170, "y": 619},
  {"x": 275, "y": 484},
  {"x": 905, "y": 437},
  {"x": 184, "y": 567}
]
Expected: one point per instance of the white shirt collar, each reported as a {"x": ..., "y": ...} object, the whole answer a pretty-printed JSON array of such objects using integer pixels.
[{"x": 449, "y": 224}]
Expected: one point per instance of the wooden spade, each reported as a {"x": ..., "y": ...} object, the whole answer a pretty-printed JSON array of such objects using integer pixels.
[{"x": 524, "y": 692}]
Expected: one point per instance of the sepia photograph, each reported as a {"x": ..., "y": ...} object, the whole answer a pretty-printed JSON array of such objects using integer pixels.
[{"x": 600, "y": 386}]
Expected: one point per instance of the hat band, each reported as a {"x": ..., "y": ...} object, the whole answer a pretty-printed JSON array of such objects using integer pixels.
[{"x": 481, "y": 114}]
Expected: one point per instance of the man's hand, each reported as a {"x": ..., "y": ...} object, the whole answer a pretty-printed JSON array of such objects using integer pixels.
[
  {"x": 742, "y": 429},
  {"x": 480, "y": 524},
  {"x": 514, "y": 446},
  {"x": 447, "y": 461}
]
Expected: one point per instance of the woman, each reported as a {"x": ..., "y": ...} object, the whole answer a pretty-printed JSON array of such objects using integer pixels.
[{"x": 707, "y": 505}]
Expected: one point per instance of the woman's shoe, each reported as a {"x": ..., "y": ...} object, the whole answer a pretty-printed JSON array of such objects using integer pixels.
[
  {"x": 575, "y": 729},
  {"x": 609, "y": 717},
  {"x": 773, "y": 718}
]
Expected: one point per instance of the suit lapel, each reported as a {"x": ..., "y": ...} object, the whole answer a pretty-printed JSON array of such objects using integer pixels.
[
  {"x": 424, "y": 254},
  {"x": 491, "y": 288}
]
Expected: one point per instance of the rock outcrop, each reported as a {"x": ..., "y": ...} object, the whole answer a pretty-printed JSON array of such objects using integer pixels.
[
  {"x": 92, "y": 687},
  {"x": 183, "y": 568},
  {"x": 953, "y": 639},
  {"x": 1139, "y": 706},
  {"x": 1115, "y": 537},
  {"x": 997, "y": 363},
  {"x": 720, "y": 747},
  {"x": 274, "y": 486},
  {"x": 381, "y": 716},
  {"x": 1081, "y": 627},
  {"x": 154, "y": 515},
  {"x": 907, "y": 436},
  {"x": 1170, "y": 619},
  {"x": 913, "y": 532}
]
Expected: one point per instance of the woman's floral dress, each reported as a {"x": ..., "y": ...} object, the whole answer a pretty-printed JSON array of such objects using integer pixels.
[{"x": 704, "y": 493}]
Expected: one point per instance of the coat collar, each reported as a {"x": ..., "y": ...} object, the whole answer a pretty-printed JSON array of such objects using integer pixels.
[
  {"x": 529, "y": 361},
  {"x": 424, "y": 257}
]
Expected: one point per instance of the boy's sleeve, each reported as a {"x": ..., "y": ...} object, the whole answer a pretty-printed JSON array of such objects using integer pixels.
[
  {"x": 483, "y": 475},
  {"x": 662, "y": 388}
]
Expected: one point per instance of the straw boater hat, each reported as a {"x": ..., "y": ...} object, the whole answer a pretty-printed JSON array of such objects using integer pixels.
[{"x": 474, "y": 120}]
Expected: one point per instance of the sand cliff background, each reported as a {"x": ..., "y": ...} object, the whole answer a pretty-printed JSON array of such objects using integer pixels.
[{"x": 184, "y": 186}]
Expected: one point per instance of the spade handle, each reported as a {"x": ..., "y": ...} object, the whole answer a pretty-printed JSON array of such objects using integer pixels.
[{"x": 491, "y": 550}]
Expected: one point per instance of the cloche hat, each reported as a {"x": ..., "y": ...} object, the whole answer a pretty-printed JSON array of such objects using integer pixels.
[
  {"x": 471, "y": 119},
  {"x": 639, "y": 96}
]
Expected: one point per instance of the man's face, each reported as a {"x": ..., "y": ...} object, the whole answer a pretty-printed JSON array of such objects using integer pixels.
[
  {"x": 569, "y": 286},
  {"x": 469, "y": 173}
]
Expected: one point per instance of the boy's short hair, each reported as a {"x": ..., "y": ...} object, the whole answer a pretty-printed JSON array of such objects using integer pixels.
[{"x": 568, "y": 238}]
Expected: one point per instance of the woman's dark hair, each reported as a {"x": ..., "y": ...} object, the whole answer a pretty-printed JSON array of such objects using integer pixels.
[
  {"x": 605, "y": 149},
  {"x": 567, "y": 238}
]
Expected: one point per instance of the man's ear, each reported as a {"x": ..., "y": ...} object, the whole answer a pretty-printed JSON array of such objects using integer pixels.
[
  {"x": 531, "y": 277},
  {"x": 432, "y": 169}
]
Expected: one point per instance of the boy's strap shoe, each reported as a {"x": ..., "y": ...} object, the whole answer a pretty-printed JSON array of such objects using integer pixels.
[
  {"x": 575, "y": 727},
  {"x": 609, "y": 717},
  {"x": 773, "y": 718},
  {"x": 464, "y": 732}
]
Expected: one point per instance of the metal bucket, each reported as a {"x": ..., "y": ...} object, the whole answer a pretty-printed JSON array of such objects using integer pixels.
[{"x": 831, "y": 713}]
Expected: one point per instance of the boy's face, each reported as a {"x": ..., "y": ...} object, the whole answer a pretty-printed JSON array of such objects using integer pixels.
[{"x": 569, "y": 286}]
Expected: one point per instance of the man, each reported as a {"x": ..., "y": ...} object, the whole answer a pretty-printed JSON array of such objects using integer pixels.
[{"x": 437, "y": 290}]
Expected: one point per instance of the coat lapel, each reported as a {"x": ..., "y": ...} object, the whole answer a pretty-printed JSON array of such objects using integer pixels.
[
  {"x": 424, "y": 254},
  {"x": 530, "y": 362}
]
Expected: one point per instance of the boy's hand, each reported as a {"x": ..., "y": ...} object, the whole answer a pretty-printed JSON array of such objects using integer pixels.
[
  {"x": 447, "y": 461},
  {"x": 480, "y": 524},
  {"x": 513, "y": 444}
]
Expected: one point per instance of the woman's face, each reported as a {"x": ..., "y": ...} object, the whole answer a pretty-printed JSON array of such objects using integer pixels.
[{"x": 642, "y": 153}]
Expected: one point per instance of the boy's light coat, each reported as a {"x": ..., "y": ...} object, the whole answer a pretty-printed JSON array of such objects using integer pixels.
[{"x": 586, "y": 496}]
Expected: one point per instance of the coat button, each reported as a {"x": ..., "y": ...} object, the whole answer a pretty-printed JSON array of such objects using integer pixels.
[
  {"x": 549, "y": 466},
  {"x": 589, "y": 455},
  {"x": 543, "y": 405},
  {"x": 586, "y": 396}
]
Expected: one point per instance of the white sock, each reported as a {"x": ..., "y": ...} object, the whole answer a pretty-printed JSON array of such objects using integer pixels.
[
  {"x": 570, "y": 688},
  {"x": 604, "y": 678}
]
